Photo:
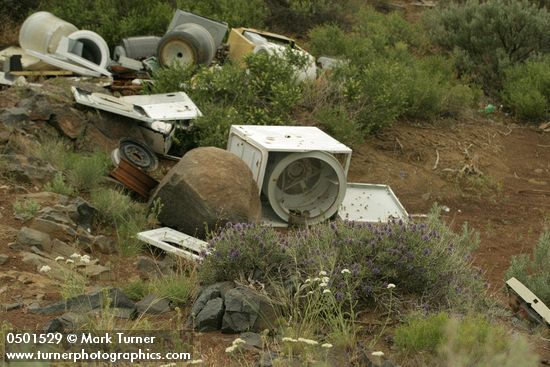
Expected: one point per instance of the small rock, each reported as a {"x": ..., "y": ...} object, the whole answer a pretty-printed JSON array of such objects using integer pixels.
[
  {"x": 87, "y": 302},
  {"x": 247, "y": 310},
  {"x": 60, "y": 248},
  {"x": 104, "y": 244},
  {"x": 212, "y": 291},
  {"x": 252, "y": 339},
  {"x": 10, "y": 307},
  {"x": 54, "y": 229},
  {"x": 151, "y": 304},
  {"x": 54, "y": 326},
  {"x": 98, "y": 272},
  {"x": 69, "y": 121},
  {"x": 211, "y": 315},
  {"x": 3, "y": 259},
  {"x": 73, "y": 320},
  {"x": 267, "y": 359},
  {"x": 31, "y": 237},
  {"x": 14, "y": 115},
  {"x": 148, "y": 268}
]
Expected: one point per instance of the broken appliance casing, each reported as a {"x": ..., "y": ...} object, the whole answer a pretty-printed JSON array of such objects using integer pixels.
[
  {"x": 528, "y": 303},
  {"x": 175, "y": 242},
  {"x": 263, "y": 148},
  {"x": 300, "y": 169},
  {"x": 240, "y": 46},
  {"x": 245, "y": 41},
  {"x": 157, "y": 114}
]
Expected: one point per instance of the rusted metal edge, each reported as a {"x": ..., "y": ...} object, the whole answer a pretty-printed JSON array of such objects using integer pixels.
[{"x": 134, "y": 179}]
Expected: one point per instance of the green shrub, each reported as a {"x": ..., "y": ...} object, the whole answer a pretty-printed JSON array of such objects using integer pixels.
[
  {"x": 178, "y": 288},
  {"x": 59, "y": 186},
  {"x": 263, "y": 93},
  {"x": 237, "y": 13},
  {"x": 87, "y": 172},
  {"x": 297, "y": 16},
  {"x": 338, "y": 123},
  {"x": 25, "y": 209},
  {"x": 385, "y": 79},
  {"x": 125, "y": 215},
  {"x": 526, "y": 90},
  {"x": 487, "y": 37},
  {"x": 471, "y": 341},
  {"x": 136, "y": 290},
  {"x": 534, "y": 272},
  {"x": 422, "y": 334}
]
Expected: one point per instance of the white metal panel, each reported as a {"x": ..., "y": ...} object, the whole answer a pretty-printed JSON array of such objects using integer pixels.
[
  {"x": 175, "y": 242},
  {"x": 168, "y": 106},
  {"x": 530, "y": 298},
  {"x": 62, "y": 64},
  {"x": 254, "y": 157},
  {"x": 290, "y": 138},
  {"x": 371, "y": 203}
]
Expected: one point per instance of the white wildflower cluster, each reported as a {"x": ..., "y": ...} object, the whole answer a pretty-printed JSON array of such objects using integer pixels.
[
  {"x": 44, "y": 269},
  {"x": 391, "y": 286},
  {"x": 59, "y": 258},
  {"x": 84, "y": 259},
  {"x": 290, "y": 340},
  {"x": 308, "y": 341},
  {"x": 378, "y": 353},
  {"x": 235, "y": 345},
  {"x": 326, "y": 345},
  {"x": 345, "y": 271}
]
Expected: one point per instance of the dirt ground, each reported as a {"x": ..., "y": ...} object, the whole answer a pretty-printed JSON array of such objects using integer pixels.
[
  {"x": 488, "y": 171},
  {"x": 507, "y": 201}
]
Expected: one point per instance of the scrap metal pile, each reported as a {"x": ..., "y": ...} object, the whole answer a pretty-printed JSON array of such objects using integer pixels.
[{"x": 299, "y": 174}]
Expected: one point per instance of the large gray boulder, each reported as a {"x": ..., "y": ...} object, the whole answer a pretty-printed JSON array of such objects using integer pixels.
[{"x": 207, "y": 188}]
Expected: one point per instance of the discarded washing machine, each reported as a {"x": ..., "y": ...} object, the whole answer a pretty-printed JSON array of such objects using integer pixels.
[
  {"x": 190, "y": 39},
  {"x": 158, "y": 114},
  {"x": 301, "y": 174},
  {"x": 60, "y": 44},
  {"x": 244, "y": 41}
]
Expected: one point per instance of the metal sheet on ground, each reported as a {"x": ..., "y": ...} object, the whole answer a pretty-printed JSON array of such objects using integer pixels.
[
  {"x": 65, "y": 65},
  {"x": 175, "y": 242},
  {"x": 371, "y": 203}
]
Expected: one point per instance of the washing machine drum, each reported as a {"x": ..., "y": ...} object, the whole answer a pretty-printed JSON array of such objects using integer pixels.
[
  {"x": 187, "y": 44},
  {"x": 307, "y": 187}
]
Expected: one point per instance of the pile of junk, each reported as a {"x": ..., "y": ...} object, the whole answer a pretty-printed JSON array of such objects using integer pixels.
[{"x": 279, "y": 176}]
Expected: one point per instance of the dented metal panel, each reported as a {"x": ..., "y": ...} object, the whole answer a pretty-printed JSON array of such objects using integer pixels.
[
  {"x": 175, "y": 242},
  {"x": 371, "y": 203},
  {"x": 168, "y": 107},
  {"x": 528, "y": 299}
]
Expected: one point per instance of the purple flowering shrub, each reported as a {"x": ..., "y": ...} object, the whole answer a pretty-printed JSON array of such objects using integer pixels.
[
  {"x": 244, "y": 251},
  {"x": 427, "y": 260}
]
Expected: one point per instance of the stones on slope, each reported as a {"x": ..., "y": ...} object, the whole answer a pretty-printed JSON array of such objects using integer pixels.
[
  {"x": 28, "y": 169},
  {"x": 245, "y": 310},
  {"x": 211, "y": 315},
  {"x": 3, "y": 259},
  {"x": 233, "y": 309},
  {"x": 87, "y": 302},
  {"x": 152, "y": 304},
  {"x": 28, "y": 237}
]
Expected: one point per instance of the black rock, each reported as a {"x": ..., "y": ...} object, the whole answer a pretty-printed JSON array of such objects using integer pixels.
[{"x": 210, "y": 317}]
